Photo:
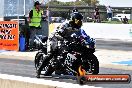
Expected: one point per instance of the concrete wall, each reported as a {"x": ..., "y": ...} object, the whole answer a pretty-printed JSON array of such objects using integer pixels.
[
  {"x": 107, "y": 31},
  {"x": 11, "y": 81}
]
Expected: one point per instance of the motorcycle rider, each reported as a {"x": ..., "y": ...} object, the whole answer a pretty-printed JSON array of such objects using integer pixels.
[{"x": 63, "y": 31}]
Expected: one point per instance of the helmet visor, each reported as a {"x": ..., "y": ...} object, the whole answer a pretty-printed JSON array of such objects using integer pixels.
[{"x": 78, "y": 22}]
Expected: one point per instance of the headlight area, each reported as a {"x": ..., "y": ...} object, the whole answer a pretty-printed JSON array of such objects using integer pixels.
[
  {"x": 87, "y": 46},
  {"x": 91, "y": 46}
]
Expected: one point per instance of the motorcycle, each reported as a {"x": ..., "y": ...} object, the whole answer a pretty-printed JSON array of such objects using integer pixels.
[{"x": 69, "y": 57}]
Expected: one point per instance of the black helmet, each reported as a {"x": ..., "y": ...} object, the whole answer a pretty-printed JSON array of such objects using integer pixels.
[
  {"x": 77, "y": 20},
  {"x": 37, "y": 3},
  {"x": 75, "y": 10},
  {"x": 77, "y": 16}
]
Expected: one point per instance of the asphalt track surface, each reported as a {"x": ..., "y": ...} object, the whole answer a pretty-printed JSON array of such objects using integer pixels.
[{"x": 26, "y": 68}]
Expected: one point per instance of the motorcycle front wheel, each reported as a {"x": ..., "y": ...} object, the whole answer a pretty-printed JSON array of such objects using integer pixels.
[{"x": 91, "y": 64}]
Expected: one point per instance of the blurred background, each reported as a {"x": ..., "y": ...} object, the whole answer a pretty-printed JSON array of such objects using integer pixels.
[{"x": 60, "y": 9}]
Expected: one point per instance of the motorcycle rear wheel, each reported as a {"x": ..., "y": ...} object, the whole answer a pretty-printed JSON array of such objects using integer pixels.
[{"x": 38, "y": 59}]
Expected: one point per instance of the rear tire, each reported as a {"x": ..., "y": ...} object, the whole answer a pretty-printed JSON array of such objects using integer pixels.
[
  {"x": 49, "y": 71},
  {"x": 38, "y": 59}
]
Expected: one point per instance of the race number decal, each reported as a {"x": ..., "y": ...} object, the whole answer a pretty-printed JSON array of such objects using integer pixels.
[{"x": 69, "y": 59}]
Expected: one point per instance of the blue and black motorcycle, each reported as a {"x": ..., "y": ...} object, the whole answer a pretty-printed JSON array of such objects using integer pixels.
[{"x": 70, "y": 55}]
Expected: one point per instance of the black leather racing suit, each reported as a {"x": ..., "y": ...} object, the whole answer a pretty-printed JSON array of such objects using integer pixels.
[{"x": 63, "y": 31}]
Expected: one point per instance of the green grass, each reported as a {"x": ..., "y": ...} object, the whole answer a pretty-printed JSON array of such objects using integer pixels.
[
  {"x": 116, "y": 22},
  {"x": 130, "y": 21}
]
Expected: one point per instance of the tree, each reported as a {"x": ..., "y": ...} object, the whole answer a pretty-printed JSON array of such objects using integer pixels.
[
  {"x": 79, "y": 3},
  {"x": 94, "y": 2},
  {"x": 91, "y": 2}
]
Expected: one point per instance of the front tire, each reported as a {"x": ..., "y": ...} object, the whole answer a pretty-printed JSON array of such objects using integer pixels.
[
  {"x": 81, "y": 80},
  {"x": 91, "y": 64}
]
